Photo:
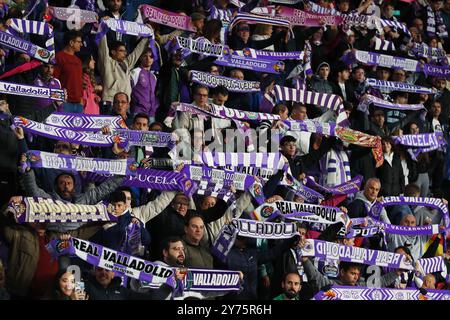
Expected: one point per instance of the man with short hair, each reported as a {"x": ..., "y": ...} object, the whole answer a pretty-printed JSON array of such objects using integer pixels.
[
  {"x": 197, "y": 254},
  {"x": 46, "y": 79},
  {"x": 291, "y": 286},
  {"x": 69, "y": 71},
  {"x": 349, "y": 275},
  {"x": 364, "y": 200}
]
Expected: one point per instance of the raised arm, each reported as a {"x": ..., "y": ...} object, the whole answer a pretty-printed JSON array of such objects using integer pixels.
[
  {"x": 150, "y": 210},
  {"x": 99, "y": 193}
]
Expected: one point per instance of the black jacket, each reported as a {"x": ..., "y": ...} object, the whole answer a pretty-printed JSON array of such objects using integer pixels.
[
  {"x": 171, "y": 223},
  {"x": 391, "y": 177}
]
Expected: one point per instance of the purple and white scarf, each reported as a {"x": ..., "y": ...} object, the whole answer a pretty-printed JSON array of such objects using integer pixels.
[
  {"x": 233, "y": 85},
  {"x": 206, "y": 189},
  {"x": 389, "y": 86},
  {"x": 123, "y": 27},
  {"x": 201, "y": 46},
  {"x": 423, "y": 140},
  {"x": 378, "y": 227},
  {"x": 268, "y": 55},
  {"x": 330, "y": 101},
  {"x": 51, "y": 132},
  {"x": 145, "y": 138},
  {"x": 434, "y": 203},
  {"x": 383, "y": 45},
  {"x": 225, "y": 178},
  {"x": 312, "y": 126},
  {"x": 435, "y": 23},
  {"x": 72, "y": 13},
  {"x": 48, "y": 160},
  {"x": 311, "y": 212},
  {"x": 364, "y": 293},
  {"x": 224, "y": 112},
  {"x": 301, "y": 18},
  {"x": 121, "y": 263},
  {"x": 18, "y": 44},
  {"x": 382, "y": 60},
  {"x": 32, "y": 91},
  {"x": 349, "y": 187},
  {"x": 258, "y": 65},
  {"x": 422, "y": 50},
  {"x": 258, "y": 159},
  {"x": 168, "y": 18},
  {"x": 37, "y": 209},
  {"x": 255, "y": 19},
  {"x": 376, "y": 59},
  {"x": 300, "y": 189},
  {"x": 335, "y": 251},
  {"x": 380, "y": 103},
  {"x": 84, "y": 122},
  {"x": 262, "y": 173},
  {"x": 250, "y": 229},
  {"x": 153, "y": 179},
  {"x": 35, "y": 27}
]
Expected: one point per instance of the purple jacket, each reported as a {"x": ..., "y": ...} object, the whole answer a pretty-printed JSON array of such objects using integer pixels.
[
  {"x": 53, "y": 83},
  {"x": 143, "y": 98}
]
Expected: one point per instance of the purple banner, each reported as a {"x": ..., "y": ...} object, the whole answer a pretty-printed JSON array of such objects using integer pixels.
[
  {"x": 421, "y": 140},
  {"x": 154, "y": 179}
]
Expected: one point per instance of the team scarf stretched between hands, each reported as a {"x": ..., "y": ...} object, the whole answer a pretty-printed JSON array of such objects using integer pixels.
[
  {"x": 364, "y": 293},
  {"x": 251, "y": 229},
  {"x": 154, "y": 274},
  {"x": 37, "y": 209}
]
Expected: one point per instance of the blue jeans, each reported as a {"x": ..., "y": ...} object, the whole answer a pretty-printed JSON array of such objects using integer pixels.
[{"x": 73, "y": 107}]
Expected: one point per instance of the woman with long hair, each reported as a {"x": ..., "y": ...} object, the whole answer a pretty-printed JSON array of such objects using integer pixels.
[
  {"x": 90, "y": 87},
  {"x": 65, "y": 288}
]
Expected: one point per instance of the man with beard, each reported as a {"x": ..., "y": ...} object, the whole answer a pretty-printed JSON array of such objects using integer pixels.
[
  {"x": 291, "y": 285},
  {"x": 104, "y": 285}
]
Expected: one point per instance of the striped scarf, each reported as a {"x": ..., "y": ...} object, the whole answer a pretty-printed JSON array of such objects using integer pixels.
[
  {"x": 337, "y": 168},
  {"x": 384, "y": 45},
  {"x": 255, "y": 19},
  {"x": 33, "y": 27},
  {"x": 435, "y": 24},
  {"x": 330, "y": 101}
]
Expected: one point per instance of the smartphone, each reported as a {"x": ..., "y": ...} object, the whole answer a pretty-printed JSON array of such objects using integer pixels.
[
  {"x": 79, "y": 286},
  {"x": 396, "y": 13}
]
